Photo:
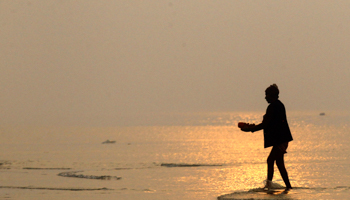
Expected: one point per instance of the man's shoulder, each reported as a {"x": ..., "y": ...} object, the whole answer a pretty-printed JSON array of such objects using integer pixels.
[
  {"x": 278, "y": 103},
  {"x": 276, "y": 106}
]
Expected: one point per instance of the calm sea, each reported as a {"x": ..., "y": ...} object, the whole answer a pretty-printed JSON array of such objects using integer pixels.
[{"x": 199, "y": 156}]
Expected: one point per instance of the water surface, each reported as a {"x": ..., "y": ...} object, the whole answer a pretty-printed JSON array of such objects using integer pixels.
[{"x": 201, "y": 156}]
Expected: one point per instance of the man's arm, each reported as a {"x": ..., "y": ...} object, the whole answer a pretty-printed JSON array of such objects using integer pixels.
[
  {"x": 257, "y": 127},
  {"x": 267, "y": 119}
]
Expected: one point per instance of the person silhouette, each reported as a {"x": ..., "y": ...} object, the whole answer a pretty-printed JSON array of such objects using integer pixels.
[{"x": 276, "y": 134}]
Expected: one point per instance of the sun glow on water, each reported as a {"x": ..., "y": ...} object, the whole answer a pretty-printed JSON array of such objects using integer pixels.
[{"x": 191, "y": 161}]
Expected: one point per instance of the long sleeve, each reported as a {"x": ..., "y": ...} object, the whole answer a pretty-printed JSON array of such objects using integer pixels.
[
  {"x": 258, "y": 127},
  {"x": 266, "y": 120},
  {"x": 275, "y": 125}
]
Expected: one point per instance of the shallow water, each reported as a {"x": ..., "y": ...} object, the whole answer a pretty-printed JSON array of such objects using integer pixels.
[{"x": 202, "y": 156}]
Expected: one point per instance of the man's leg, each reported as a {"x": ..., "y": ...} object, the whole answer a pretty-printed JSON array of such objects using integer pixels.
[
  {"x": 270, "y": 164},
  {"x": 283, "y": 171},
  {"x": 270, "y": 168}
]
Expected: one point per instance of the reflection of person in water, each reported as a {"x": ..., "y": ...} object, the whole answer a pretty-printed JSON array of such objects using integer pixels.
[{"x": 276, "y": 134}]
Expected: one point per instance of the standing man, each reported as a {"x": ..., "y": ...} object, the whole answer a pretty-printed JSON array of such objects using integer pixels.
[{"x": 276, "y": 134}]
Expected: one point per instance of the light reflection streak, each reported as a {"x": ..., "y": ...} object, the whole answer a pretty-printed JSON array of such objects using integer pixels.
[{"x": 244, "y": 158}]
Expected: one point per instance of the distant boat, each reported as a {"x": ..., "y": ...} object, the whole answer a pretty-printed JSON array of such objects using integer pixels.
[
  {"x": 322, "y": 114},
  {"x": 108, "y": 142}
]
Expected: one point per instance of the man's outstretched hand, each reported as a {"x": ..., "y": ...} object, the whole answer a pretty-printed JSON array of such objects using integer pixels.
[{"x": 246, "y": 127}]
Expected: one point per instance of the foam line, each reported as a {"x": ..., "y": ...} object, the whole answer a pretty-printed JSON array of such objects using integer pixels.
[
  {"x": 187, "y": 165},
  {"x": 38, "y": 168},
  {"x": 52, "y": 188},
  {"x": 75, "y": 175}
]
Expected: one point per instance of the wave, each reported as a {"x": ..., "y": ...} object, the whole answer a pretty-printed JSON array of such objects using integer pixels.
[
  {"x": 44, "y": 168},
  {"x": 53, "y": 188},
  {"x": 75, "y": 175},
  {"x": 122, "y": 168},
  {"x": 188, "y": 165},
  {"x": 5, "y": 165}
]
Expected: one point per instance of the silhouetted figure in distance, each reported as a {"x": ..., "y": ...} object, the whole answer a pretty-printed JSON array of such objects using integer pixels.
[{"x": 276, "y": 134}]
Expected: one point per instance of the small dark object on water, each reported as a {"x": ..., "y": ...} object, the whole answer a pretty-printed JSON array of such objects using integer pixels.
[{"x": 108, "y": 142}]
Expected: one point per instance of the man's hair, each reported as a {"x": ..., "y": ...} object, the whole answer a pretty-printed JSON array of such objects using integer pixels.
[{"x": 272, "y": 90}]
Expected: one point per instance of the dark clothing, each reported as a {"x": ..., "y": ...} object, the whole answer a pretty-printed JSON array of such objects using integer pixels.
[
  {"x": 279, "y": 149},
  {"x": 275, "y": 125}
]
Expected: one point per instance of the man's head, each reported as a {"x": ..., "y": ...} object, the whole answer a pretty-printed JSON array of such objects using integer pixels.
[{"x": 271, "y": 93}]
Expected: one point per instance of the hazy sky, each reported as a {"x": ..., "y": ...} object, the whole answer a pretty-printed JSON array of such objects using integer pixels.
[{"x": 73, "y": 61}]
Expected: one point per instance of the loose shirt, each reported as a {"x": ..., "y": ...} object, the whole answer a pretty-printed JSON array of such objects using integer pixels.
[{"x": 275, "y": 125}]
